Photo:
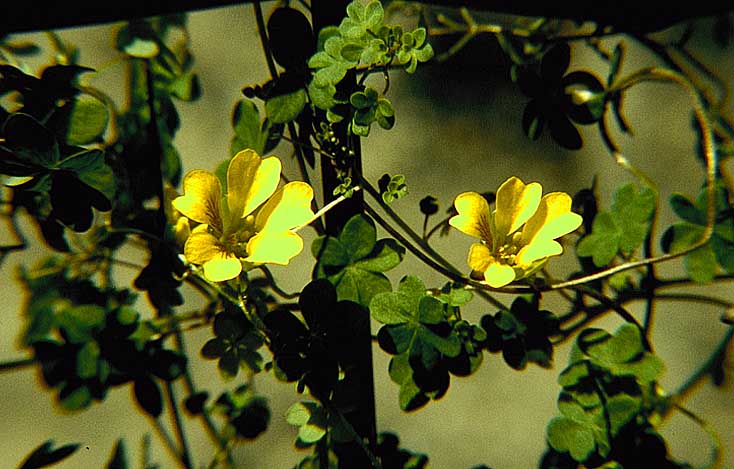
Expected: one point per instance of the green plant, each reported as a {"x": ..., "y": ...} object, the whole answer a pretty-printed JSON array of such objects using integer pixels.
[{"x": 98, "y": 179}]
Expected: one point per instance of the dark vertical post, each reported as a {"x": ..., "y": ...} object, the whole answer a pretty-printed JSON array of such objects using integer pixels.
[{"x": 360, "y": 401}]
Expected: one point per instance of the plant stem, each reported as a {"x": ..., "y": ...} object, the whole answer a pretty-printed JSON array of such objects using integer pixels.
[
  {"x": 17, "y": 364},
  {"x": 702, "y": 371},
  {"x": 444, "y": 266}
]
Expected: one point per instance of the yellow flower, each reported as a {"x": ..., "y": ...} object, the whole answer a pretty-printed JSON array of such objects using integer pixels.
[
  {"x": 252, "y": 223},
  {"x": 180, "y": 228},
  {"x": 518, "y": 237}
]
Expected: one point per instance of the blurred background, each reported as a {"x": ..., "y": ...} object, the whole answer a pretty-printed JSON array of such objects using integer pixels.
[{"x": 458, "y": 128}]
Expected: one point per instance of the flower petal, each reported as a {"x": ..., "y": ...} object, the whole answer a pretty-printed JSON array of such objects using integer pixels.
[
  {"x": 288, "y": 208},
  {"x": 552, "y": 220},
  {"x": 273, "y": 247},
  {"x": 201, "y": 246},
  {"x": 540, "y": 248},
  {"x": 498, "y": 275},
  {"x": 250, "y": 181},
  {"x": 473, "y": 218},
  {"x": 201, "y": 201},
  {"x": 479, "y": 257},
  {"x": 222, "y": 267},
  {"x": 516, "y": 203}
]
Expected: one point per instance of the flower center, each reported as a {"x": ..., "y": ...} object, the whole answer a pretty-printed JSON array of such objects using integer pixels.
[
  {"x": 507, "y": 252},
  {"x": 235, "y": 240}
]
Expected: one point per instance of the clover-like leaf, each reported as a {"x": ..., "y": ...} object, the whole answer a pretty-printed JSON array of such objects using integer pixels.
[
  {"x": 605, "y": 389},
  {"x": 703, "y": 263},
  {"x": 355, "y": 261},
  {"x": 235, "y": 344},
  {"x": 522, "y": 334},
  {"x": 310, "y": 418},
  {"x": 622, "y": 229},
  {"x": 418, "y": 333},
  {"x": 568, "y": 435}
]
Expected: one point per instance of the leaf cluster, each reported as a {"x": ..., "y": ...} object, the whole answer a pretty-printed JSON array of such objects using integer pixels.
[
  {"x": 235, "y": 343},
  {"x": 362, "y": 42},
  {"x": 53, "y": 177},
  {"x": 355, "y": 261},
  {"x": 247, "y": 413},
  {"x": 314, "y": 348},
  {"x": 558, "y": 99},
  {"x": 423, "y": 332},
  {"x": 622, "y": 229},
  {"x": 608, "y": 386},
  {"x": 88, "y": 339},
  {"x": 522, "y": 334},
  {"x": 717, "y": 255}
]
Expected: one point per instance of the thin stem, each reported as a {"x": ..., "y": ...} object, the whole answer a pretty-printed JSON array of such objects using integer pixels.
[
  {"x": 274, "y": 285},
  {"x": 166, "y": 438},
  {"x": 704, "y": 369},
  {"x": 178, "y": 425},
  {"x": 655, "y": 74},
  {"x": 617, "y": 308},
  {"x": 209, "y": 426},
  {"x": 450, "y": 274},
  {"x": 17, "y": 364},
  {"x": 713, "y": 434},
  {"x": 437, "y": 227},
  {"x": 691, "y": 297},
  {"x": 262, "y": 31},
  {"x": 325, "y": 209}
]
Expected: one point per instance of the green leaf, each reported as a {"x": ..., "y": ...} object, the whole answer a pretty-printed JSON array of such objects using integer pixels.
[
  {"x": 352, "y": 51},
  {"x": 310, "y": 419},
  {"x": 607, "y": 349},
  {"x": 44, "y": 455},
  {"x": 373, "y": 15},
  {"x": 91, "y": 168},
  {"x": 701, "y": 264},
  {"x": 86, "y": 360},
  {"x": 286, "y": 107},
  {"x": 400, "y": 306},
  {"x": 84, "y": 119},
  {"x": 79, "y": 321},
  {"x": 142, "y": 48},
  {"x": 32, "y": 144},
  {"x": 685, "y": 209},
  {"x": 249, "y": 131},
  {"x": 567, "y": 435},
  {"x": 361, "y": 285},
  {"x": 75, "y": 399},
  {"x": 185, "y": 86},
  {"x": 386, "y": 255},
  {"x": 603, "y": 242},
  {"x": 323, "y": 97},
  {"x": 118, "y": 460},
  {"x": 330, "y": 251},
  {"x": 623, "y": 229},
  {"x": 354, "y": 261}
]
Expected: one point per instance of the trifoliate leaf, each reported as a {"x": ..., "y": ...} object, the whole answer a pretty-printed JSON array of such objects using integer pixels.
[{"x": 355, "y": 261}]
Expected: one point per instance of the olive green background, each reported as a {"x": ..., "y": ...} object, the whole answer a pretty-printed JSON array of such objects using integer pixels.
[{"x": 454, "y": 132}]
